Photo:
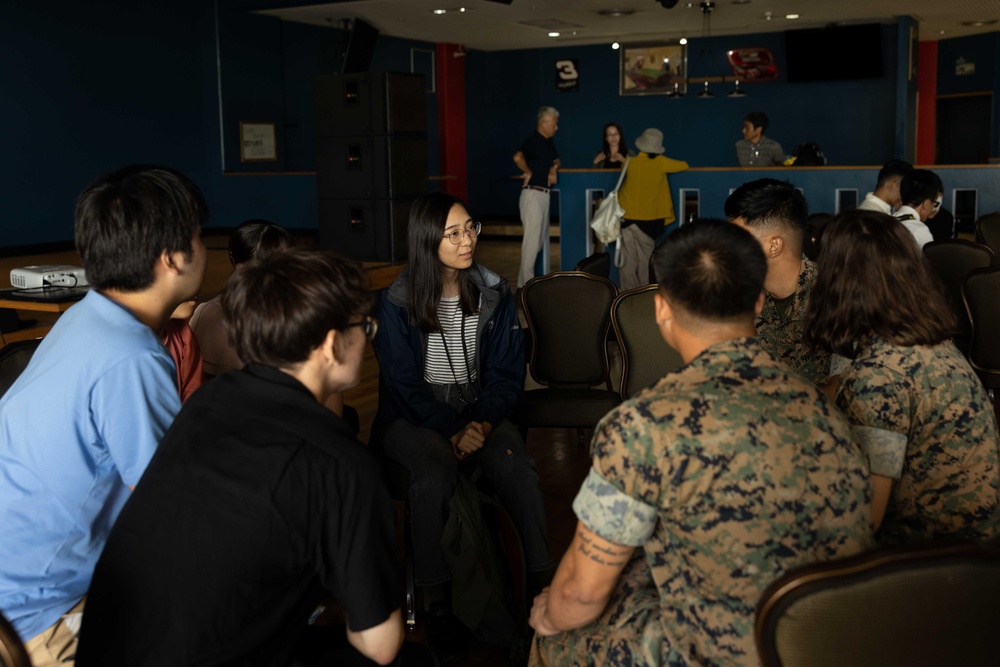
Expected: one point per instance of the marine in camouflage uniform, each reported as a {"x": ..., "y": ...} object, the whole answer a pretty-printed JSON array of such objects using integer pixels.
[
  {"x": 923, "y": 419},
  {"x": 780, "y": 329},
  {"x": 726, "y": 473}
]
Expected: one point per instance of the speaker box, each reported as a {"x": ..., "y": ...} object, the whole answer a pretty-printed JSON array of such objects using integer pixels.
[
  {"x": 371, "y": 230},
  {"x": 382, "y": 167},
  {"x": 349, "y": 105}
]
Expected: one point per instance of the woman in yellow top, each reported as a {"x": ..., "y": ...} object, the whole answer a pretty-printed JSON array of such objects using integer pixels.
[{"x": 645, "y": 196}]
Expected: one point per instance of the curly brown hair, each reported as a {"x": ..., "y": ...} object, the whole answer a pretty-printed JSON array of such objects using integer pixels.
[{"x": 873, "y": 280}]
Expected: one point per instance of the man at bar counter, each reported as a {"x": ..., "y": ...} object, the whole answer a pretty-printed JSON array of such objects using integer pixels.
[
  {"x": 260, "y": 503},
  {"x": 538, "y": 160}
]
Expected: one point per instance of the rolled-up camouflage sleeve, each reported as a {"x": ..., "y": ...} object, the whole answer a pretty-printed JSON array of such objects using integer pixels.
[
  {"x": 612, "y": 514},
  {"x": 886, "y": 450}
]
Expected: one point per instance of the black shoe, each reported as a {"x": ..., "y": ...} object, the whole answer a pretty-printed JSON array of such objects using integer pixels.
[{"x": 446, "y": 636}]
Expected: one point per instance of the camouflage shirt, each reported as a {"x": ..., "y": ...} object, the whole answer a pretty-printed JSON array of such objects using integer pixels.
[
  {"x": 922, "y": 417},
  {"x": 727, "y": 472},
  {"x": 781, "y": 333}
]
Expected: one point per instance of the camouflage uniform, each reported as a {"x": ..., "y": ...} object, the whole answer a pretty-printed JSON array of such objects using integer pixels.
[
  {"x": 921, "y": 416},
  {"x": 781, "y": 334},
  {"x": 726, "y": 473}
]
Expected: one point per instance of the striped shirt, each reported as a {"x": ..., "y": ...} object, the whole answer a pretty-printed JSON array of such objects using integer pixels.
[{"x": 447, "y": 344}]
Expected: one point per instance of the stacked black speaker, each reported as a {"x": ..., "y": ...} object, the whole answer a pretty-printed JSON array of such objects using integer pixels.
[{"x": 371, "y": 155}]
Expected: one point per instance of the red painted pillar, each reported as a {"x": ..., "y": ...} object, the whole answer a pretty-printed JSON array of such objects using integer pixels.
[
  {"x": 927, "y": 69},
  {"x": 450, "y": 72}
]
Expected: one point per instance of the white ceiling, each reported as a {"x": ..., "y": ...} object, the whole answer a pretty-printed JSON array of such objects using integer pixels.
[{"x": 524, "y": 24}]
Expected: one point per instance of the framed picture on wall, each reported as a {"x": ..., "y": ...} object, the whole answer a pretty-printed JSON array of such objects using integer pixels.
[
  {"x": 257, "y": 142},
  {"x": 655, "y": 68}
]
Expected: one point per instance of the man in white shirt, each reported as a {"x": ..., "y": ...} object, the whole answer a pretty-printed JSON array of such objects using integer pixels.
[
  {"x": 886, "y": 196},
  {"x": 921, "y": 192}
]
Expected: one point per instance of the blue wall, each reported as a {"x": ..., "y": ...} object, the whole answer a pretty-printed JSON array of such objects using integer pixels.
[
  {"x": 984, "y": 51},
  {"x": 90, "y": 87},
  {"x": 853, "y": 121}
]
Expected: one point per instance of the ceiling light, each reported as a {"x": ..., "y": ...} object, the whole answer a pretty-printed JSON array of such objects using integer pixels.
[
  {"x": 684, "y": 40},
  {"x": 616, "y": 12},
  {"x": 553, "y": 34},
  {"x": 615, "y": 46},
  {"x": 461, "y": 9},
  {"x": 978, "y": 24},
  {"x": 791, "y": 16},
  {"x": 440, "y": 11}
]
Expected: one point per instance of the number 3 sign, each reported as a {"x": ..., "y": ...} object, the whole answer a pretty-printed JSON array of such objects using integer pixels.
[{"x": 567, "y": 76}]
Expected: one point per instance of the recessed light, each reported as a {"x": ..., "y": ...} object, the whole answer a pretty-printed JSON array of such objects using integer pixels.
[
  {"x": 791, "y": 16},
  {"x": 978, "y": 24},
  {"x": 616, "y": 12},
  {"x": 942, "y": 32},
  {"x": 440, "y": 11},
  {"x": 616, "y": 46},
  {"x": 684, "y": 40},
  {"x": 553, "y": 34}
]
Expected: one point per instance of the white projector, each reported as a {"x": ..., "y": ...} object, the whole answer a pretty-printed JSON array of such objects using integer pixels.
[{"x": 45, "y": 275}]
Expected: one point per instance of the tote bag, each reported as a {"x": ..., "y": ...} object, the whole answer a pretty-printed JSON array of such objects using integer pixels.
[{"x": 607, "y": 220}]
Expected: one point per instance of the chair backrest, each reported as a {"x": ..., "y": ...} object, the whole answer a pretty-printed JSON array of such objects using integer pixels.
[
  {"x": 568, "y": 314},
  {"x": 598, "y": 264},
  {"x": 952, "y": 260},
  {"x": 988, "y": 230},
  {"x": 980, "y": 292},
  {"x": 931, "y": 604},
  {"x": 12, "y": 651},
  {"x": 645, "y": 356},
  {"x": 14, "y": 358}
]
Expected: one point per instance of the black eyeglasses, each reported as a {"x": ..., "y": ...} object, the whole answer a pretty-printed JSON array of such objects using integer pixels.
[
  {"x": 369, "y": 325},
  {"x": 456, "y": 236}
]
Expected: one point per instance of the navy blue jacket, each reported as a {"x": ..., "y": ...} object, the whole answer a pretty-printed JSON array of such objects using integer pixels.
[{"x": 401, "y": 349}]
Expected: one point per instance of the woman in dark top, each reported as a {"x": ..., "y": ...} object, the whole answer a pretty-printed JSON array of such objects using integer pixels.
[
  {"x": 451, "y": 357},
  {"x": 611, "y": 155}
]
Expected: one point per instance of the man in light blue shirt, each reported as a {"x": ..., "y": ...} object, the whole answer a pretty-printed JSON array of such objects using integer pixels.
[{"x": 81, "y": 423}]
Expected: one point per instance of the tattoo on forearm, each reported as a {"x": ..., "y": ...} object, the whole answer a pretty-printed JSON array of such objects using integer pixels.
[{"x": 604, "y": 556}]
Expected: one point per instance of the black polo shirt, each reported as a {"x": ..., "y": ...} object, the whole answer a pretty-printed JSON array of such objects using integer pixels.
[
  {"x": 258, "y": 504},
  {"x": 539, "y": 153}
]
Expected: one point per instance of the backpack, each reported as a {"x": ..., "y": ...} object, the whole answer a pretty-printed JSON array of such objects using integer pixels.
[
  {"x": 482, "y": 591},
  {"x": 809, "y": 155}
]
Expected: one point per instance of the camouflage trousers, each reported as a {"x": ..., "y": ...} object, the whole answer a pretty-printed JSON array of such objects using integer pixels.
[{"x": 628, "y": 632}]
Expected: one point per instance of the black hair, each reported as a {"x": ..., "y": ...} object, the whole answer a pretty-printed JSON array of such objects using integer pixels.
[
  {"x": 257, "y": 239},
  {"x": 621, "y": 140},
  {"x": 919, "y": 185},
  {"x": 278, "y": 310},
  {"x": 126, "y": 219},
  {"x": 712, "y": 269},
  {"x": 767, "y": 202},
  {"x": 891, "y": 170},
  {"x": 428, "y": 217},
  {"x": 757, "y": 119}
]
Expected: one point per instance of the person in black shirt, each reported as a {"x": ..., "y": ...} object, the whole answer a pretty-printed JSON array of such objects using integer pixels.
[
  {"x": 539, "y": 161},
  {"x": 259, "y": 504}
]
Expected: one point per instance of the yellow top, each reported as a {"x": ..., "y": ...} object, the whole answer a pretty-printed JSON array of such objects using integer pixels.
[{"x": 645, "y": 194}]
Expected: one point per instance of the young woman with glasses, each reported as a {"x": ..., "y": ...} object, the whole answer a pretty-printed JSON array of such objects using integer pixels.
[{"x": 451, "y": 357}]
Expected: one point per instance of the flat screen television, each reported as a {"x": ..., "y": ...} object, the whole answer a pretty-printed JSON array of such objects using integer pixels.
[
  {"x": 834, "y": 53},
  {"x": 360, "y": 47}
]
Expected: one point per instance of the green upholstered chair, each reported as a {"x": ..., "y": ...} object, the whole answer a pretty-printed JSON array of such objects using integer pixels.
[
  {"x": 569, "y": 316},
  {"x": 988, "y": 231},
  {"x": 645, "y": 356},
  {"x": 981, "y": 293},
  {"x": 951, "y": 261},
  {"x": 913, "y": 606}
]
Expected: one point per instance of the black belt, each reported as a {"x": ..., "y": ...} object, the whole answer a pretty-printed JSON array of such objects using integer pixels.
[{"x": 537, "y": 187}]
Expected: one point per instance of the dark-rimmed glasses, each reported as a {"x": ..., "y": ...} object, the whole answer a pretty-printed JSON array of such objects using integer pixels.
[
  {"x": 369, "y": 325},
  {"x": 456, "y": 235}
]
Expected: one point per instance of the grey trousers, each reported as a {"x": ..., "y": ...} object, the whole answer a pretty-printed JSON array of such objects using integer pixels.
[
  {"x": 534, "y": 206},
  {"x": 637, "y": 246}
]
